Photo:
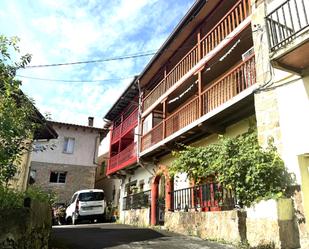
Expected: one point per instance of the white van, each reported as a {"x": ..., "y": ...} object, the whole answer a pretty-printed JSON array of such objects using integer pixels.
[{"x": 87, "y": 204}]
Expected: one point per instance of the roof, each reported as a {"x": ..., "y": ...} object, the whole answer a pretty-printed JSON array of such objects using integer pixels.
[
  {"x": 123, "y": 101},
  {"x": 199, "y": 10},
  {"x": 100, "y": 130}
]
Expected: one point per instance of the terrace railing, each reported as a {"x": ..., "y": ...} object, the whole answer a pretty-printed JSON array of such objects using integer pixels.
[
  {"x": 127, "y": 124},
  {"x": 238, "y": 13},
  {"x": 137, "y": 201},
  {"x": 238, "y": 79},
  {"x": 206, "y": 197},
  {"x": 286, "y": 21},
  {"x": 119, "y": 161}
]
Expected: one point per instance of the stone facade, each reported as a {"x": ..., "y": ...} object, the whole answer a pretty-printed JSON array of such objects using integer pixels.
[
  {"x": 137, "y": 217},
  {"x": 74, "y": 153},
  {"x": 78, "y": 177},
  {"x": 275, "y": 228},
  {"x": 222, "y": 226},
  {"x": 26, "y": 228}
]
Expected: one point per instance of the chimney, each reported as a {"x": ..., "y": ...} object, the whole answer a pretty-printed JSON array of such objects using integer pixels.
[{"x": 90, "y": 121}]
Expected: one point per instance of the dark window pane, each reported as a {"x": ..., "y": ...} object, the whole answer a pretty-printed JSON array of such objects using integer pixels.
[
  {"x": 53, "y": 177},
  {"x": 91, "y": 196},
  {"x": 62, "y": 177}
]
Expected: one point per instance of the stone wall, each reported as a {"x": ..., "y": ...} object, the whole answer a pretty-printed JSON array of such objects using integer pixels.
[
  {"x": 270, "y": 223},
  {"x": 26, "y": 228},
  {"x": 221, "y": 226},
  {"x": 78, "y": 177},
  {"x": 136, "y": 217}
]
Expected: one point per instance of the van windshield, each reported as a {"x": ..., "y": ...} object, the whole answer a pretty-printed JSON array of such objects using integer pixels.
[{"x": 91, "y": 196}]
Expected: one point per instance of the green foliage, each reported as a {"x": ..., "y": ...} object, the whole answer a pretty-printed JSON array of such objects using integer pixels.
[
  {"x": 239, "y": 164},
  {"x": 36, "y": 193},
  {"x": 10, "y": 198},
  {"x": 17, "y": 123}
]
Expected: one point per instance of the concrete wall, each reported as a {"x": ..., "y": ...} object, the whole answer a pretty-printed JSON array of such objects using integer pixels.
[
  {"x": 26, "y": 228},
  {"x": 78, "y": 177},
  {"x": 85, "y": 149}
]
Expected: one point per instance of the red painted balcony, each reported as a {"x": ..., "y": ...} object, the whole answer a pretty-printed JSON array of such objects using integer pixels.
[
  {"x": 127, "y": 124},
  {"x": 228, "y": 24},
  {"x": 235, "y": 81},
  {"x": 123, "y": 159}
]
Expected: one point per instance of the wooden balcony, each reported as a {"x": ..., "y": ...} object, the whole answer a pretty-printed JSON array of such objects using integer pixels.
[
  {"x": 231, "y": 84},
  {"x": 288, "y": 34},
  {"x": 235, "y": 16},
  {"x": 128, "y": 124},
  {"x": 125, "y": 158}
]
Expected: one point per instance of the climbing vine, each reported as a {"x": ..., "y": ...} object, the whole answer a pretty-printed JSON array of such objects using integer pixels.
[{"x": 240, "y": 164}]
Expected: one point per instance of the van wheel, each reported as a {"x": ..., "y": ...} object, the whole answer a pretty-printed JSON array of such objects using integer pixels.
[
  {"x": 69, "y": 221},
  {"x": 74, "y": 220}
]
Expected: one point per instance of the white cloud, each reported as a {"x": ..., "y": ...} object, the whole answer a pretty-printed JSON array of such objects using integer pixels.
[{"x": 63, "y": 31}]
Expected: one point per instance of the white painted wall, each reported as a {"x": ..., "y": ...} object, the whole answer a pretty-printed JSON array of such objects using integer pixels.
[
  {"x": 139, "y": 174},
  {"x": 85, "y": 148},
  {"x": 293, "y": 101}
]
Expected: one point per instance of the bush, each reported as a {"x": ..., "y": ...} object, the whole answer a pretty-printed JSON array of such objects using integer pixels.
[{"x": 10, "y": 198}]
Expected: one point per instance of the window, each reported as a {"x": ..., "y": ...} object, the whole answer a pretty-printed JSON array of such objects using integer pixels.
[
  {"x": 68, "y": 145},
  {"x": 91, "y": 196},
  {"x": 57, "y": 177},
  {"x": 103, "y": 168},
  {"x": 32, "y": 176}
]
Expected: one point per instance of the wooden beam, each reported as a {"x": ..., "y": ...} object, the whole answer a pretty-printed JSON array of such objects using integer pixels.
[{"x": 214, "y": 129}]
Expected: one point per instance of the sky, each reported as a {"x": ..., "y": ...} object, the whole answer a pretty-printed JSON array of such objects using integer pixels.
[{"x": 55, "y": 31}]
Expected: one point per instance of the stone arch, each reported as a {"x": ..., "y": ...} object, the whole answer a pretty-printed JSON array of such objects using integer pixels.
[{"x": 161, "y": 171}]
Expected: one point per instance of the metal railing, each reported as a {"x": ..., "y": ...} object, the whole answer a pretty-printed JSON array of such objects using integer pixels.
[
  {"x": 206, "y": 197},
  {"x": 137, "y": 201},
  {"x": 286, "y": 21}
]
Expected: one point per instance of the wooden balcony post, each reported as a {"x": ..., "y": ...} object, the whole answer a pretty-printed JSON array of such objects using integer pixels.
[
  {"x": 199, "y": 50},
  {"x": 200, "y": 104},
  {"x": 165, "y": 74},
  {"x": 164, "y": 118}
]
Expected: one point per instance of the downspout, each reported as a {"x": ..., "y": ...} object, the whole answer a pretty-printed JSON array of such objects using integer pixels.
[{"x": 139, "y": 135}]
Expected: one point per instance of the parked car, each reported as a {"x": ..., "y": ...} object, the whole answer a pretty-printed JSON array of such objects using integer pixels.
[{"x": 87, "y": 204}]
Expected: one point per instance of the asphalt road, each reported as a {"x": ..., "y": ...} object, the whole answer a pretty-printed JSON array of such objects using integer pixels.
[{"x": 97, "y": 236}]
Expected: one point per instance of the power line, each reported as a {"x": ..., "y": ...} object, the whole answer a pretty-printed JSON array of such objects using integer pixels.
[
  {"x": 75, "y": 81},
  {"x": 94, "y": 61}
]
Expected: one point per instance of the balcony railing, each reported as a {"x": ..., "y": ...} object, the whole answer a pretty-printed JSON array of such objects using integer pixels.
[
  {"x": 286, "y": 21},
  {"x": 225, "y": 88},
  {"x": 238, "y": 13},
  {"x": 183, "y": 117},
  {"x": 137, "y": 201},
  {"x": 206, "y": 197},
  {"x": 229, "y": 85},
  {"x": 152, "y": 137},
  {"x": 129, "y": 123},
  {"x": 123, "y": 159},
  {"x": 225, "y": 26}
]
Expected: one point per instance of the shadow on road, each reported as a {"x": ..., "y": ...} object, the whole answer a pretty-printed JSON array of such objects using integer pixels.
[{"x": 101, "y": 236}]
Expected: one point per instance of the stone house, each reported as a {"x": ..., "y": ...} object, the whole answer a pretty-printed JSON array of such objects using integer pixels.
[
  {"x": 67, "y": 164},
  {"x": 227, "y": 66},
  {"x": 46, "y": 132}
]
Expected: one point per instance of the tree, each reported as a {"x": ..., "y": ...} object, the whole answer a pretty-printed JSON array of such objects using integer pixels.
[
  {"x": 239, "y": 164},
  {"x": 17, "y": 112}
]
